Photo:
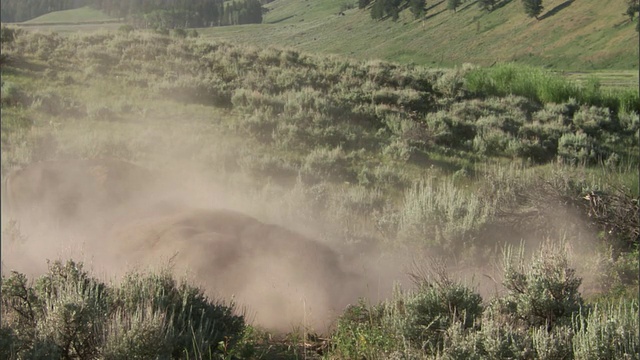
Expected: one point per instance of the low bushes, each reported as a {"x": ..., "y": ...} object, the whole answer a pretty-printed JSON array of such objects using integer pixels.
[
  {"x": 68, "y": 314},
  {"x": 541, "y": 315},
  {"x": 300, "y": 102}
]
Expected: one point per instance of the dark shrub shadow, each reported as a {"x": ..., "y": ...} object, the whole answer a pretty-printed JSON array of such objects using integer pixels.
[
  {"x": 433, "y": 6},
  {"x": 556, "y": 9},
  {"x": 500, "y": 4},
  {"x": 433, "y": 15},
  {"x": 281, "y": 20},
  {"x": 467, "y": 6}
]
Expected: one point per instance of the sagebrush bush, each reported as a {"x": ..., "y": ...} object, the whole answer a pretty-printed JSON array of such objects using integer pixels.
[
  {"x": 68, "y": 314},
  {"x": 541, "y": 316},
  {"x": 543, "y": 292},
  {"x": 594, "y": 120},
  {"x": 13, "y": 95},
  {"x": 327, "y": 164},
  {"x": 432, "y": 309},
  {"x": 360, "y": 332},
  {"x": 578, "y": 148},
  {"x": 609, "y": 331},
  {"x": 433, "y": 213}
]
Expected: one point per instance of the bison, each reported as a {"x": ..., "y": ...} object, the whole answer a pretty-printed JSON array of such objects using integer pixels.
[{"x": 283, "y": 276}]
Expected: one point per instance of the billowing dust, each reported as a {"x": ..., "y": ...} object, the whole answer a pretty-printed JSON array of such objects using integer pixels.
[{"x": 118, "y": 217}]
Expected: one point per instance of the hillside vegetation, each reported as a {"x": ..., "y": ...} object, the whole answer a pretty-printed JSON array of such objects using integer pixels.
[
  {"x": 475, "y": 164},
  {"x": 79, "y": 15},
  {"x": 585, "y": 35},
  {"x": 578, "y": 35}
]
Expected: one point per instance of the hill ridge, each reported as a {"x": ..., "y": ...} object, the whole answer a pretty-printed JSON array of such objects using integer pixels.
[{"x": 583, "y": 35}]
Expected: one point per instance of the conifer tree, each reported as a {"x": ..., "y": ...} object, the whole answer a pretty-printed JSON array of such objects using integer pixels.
[
  {"x": 417, "y": 8},
  {"x": 487, "y": 5},
  {"x": 453, "y": 4},
  {"x": 633, "y": 7},
  {"x": 533, "y": 8},
  {"x": 377, "y": 10},
  {"x": 363, "y": 3}
]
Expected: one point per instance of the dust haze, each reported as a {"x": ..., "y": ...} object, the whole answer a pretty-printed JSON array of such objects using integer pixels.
[{"x": 117, "y": 217}]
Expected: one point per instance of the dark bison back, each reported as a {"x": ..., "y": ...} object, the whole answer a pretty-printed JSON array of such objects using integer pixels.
[{"x": 281, "y": 275}]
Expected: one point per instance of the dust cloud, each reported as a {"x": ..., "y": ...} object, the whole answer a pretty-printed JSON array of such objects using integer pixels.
[{"x": 117, "y": 217}]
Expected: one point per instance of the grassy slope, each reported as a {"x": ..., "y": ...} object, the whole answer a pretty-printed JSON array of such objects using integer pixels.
[
  {"x": 80, "y": 15},
  {"x": 589, "y": 34},
  {"x": 147, "y": 121}
]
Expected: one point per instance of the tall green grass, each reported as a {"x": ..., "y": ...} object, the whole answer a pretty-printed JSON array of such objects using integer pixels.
[{"x": 546, "y": 87}]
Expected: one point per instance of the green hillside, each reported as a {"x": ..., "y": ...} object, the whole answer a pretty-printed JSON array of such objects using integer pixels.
[
  {"x": 80, "y": 15},
  {"x": 403, "y": 170},
  {"x": 583, "y": 35}
]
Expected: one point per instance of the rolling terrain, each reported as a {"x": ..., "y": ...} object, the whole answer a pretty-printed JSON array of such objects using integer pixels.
[
  {"x": 81, "y": 15},
  {"x": 304, "y": 185},
  {"x": 570, "y": 35}
]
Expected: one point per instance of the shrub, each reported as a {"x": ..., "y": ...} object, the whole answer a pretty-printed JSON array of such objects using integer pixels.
[
  {"x": 60, "y": 316},
  {"x": 212, "y": 91},
  {"x": 327, "y": 164},
  {"x": 543, "y": 292},
  {"x": 13, "y": 95},
  {"x": 363, "y": 3},
  {"x": 533, "y": 150},
  {"x": 594, "y": 120},
  {"x": 179, "y": 33},
  {"x": 126, "y": 29},
  {"x": 399, "y": 150},
  {"x": 554, "y": 344},
  {"x": 434, "y": 307},
  {"x": 618, "y": 273},
  {"x": 451, "y": 83},
  {"x": 491, "y": 142},
  {"x": 8, "y": 35},
  {"x": 577, "y": 148},
  {"x": 448, "y": 131},
  {"x": 414, "y": 323},
  {"x": 361, "y": 333},
  {"x": 194, "y": 324},
  {"x": 609, "y": 331},
  {"x": 440, "y": 214},
  {"x": 68, "y": 314}
]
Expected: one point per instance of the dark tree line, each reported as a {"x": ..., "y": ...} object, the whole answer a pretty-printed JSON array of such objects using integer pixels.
[
  {"x": 166, "y": 14},
  {"x": 382, "y": 9},
  {"x": 171, "y": 14},
  {"x": 23, "y": 10}
]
